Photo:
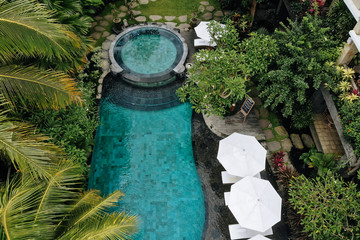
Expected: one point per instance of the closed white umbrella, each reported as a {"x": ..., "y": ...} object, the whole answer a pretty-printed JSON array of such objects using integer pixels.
[
  {"x": 203, "y": 32},
  {"x": 241, "y": 155},
  {"x": 255, "y": 204}
]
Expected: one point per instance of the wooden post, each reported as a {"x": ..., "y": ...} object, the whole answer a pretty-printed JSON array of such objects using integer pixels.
[{"x": 347, "y": 53}]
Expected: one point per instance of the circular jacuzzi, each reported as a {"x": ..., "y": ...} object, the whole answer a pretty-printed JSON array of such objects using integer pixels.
[{"x": 148, "y": 55}]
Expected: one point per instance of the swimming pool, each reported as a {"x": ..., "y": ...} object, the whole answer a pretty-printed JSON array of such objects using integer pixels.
[
  {"x": 148, "y": 55},
  {"x": 148, "y": 156}
]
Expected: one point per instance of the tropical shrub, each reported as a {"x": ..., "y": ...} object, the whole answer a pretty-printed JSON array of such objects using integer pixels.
[
  {"x": 330, "y": 207},
  {"x": 300, "y": 67}
]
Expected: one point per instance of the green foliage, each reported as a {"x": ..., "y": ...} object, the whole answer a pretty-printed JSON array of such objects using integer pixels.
[
  {"x": 350, "y": 118},
  {"x": 302, "y": 116},
  {"x": 92, "y": 70},
  {"x": 299, "y": 68},
  {"x": 224, "y": 37},
  {"x": 320, "y": 161},
  {"x": 330, "y": 206}
]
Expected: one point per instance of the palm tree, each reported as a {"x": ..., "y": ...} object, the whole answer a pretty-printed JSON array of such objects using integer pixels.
[{"x": 28, "y": 32}]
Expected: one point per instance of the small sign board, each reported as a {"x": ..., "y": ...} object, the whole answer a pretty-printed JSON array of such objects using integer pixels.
[{"x": 247, "y": 106}]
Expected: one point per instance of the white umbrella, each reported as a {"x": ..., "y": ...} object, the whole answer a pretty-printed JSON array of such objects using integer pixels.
[
  {"x": 255, "y": 204},
  {"x": 203, "y": 32},
  {"x": 259, "y": 237},
  {"x": 241, "y": 155}
]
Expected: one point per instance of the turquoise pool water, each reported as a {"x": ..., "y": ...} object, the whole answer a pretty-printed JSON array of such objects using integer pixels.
[
  {"x": 149, "y": 54},
  {"x": 148, "y": 156}
]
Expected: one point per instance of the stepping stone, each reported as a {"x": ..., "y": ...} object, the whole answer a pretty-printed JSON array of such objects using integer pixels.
[
  {"x": 105, "y": 34},
  {"x": 169, "y": 18},
  {"x": 210, "y": 8},
  {"x": 143, "y": 1},
  {"x": 111, "y": 37},
  {"x": 99, "y": 89},
  {"x": 104, "y": 23},
  {"x": 281, "y": 131},
  {"x": 307, "y": 140},
  {"x": 104, "y": 54},
  {"x": 96, "y": 35},
  {"x": 97, "y": 18},
  {"x": 109, "y": 17},
  {"x": 295, "y": 138},
  {"x": 206, "y": 3},
  {"x": 201, "y": 8},
  {"x": 141, "y": 19},
  {"x": 273, "y": 146},
  {"x": 219, "y": 13},
  {"x": 207, "y": 16},
  {"x": 123, "y": 8},
  {"x": 184, "y": 26},
  {"x": 183, "y": 18},
  {"x": 99, "y": 29},
  {"x": 268, "y": 134},
  {"x": 286, "y": 145},
  {"x": 264, "y": 123},
  {"x": 105, "y": 65},
  {"x": 155, "y": 17},
  {"x": 263, "y": 113},
  {"x": 122, "y": 14},
  {"x": 218, "y": 19},
  {"x": 134, "y": 5},
  {"x": 136, "y": 12},
  {"x": 93, "y": 24},
  {"x": 171, "y": 24},
  {"x": 106, "y": 45}
]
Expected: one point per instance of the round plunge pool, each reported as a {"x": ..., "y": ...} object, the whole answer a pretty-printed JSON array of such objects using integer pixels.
[{"x": 148, "y": 55}]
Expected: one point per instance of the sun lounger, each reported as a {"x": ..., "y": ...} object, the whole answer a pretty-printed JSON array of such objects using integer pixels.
[
  {"x": 229, "y": 179},
  {"x": 201, "y": 43},
  {"x": 259, "y": 237},
  {"x": 227, "y": 198},
  {"x": 238, "y": 232}
]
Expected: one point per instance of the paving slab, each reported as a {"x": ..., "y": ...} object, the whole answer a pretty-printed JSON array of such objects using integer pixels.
[
  {"x": 123, "y": 8},
  {"x": 99, "y": 29},
  {"x": 169, "y": 18},
  {"x": 268, "y": 134},
  {"x": 105, "y": 54},
  {"x": 96, "y": 35},
  {"x": 109, "y": 17},
  {"x": 134, "y": 5},
  {"x": 141, "y": 19},
  {"x": 122, "y": 14},
  {"x": 296, "y": 140},
  {"x": 264, "y": 123},
  {"x": 184, "y": 26},
  {"x": 286, "y": 144},
  {"x": 143, "y": 1},
  {"x": 136, "y": 12},
  {"x": 106, "y": 45},
  {"x": 307, "y": 140},
  {"x": 218, "y": 13},
  {"x": 104, "y": 23},
  {"x": 281, "y": 131},
  {"x": 206, "y": 3},
  {"x": 183, "y": 18},
  {"x": 111, "y": 37},
  {"x": 93, "y": 24},
  {"x": 273, "y": 146},
  {"x": 210, "y": 8},
  {"x": 171, "y": 24},
  {"x": 155, "y": 17},
  {"x": 207, "y": 16},
  {"x": 105, "y": 34}
]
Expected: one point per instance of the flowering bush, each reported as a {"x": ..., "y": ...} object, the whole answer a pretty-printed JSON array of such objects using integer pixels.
[{"x": 277, "y": 159}]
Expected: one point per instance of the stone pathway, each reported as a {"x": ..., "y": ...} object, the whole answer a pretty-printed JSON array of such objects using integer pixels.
[{"x": 101, "y": 25}]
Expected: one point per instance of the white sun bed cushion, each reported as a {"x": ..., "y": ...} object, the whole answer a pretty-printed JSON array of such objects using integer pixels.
[
  {"x": 227, "y": 197},
  {"x": 203, "y": 43},
  {"x": 228, "y": 178},
  {"x": 259, "y": 237},
  {"x": 238, "y": 232}
]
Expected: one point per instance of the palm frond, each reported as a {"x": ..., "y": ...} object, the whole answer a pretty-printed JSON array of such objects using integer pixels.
[
  {"x": 28, "y": 30},
  {"x": 42, "y": 88}
]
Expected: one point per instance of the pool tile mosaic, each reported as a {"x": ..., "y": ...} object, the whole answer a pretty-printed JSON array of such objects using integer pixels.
[{"x": 148, "y": 156}]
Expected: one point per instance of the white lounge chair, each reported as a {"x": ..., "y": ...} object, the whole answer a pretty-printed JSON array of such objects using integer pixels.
[
  {"x": 259, "y": 237},
  {"x": 227, "y": 198},
  {"x": 201, "y": 43},
  {"x": 228, "y": 178},
  {"x": 238, "y": 232}
]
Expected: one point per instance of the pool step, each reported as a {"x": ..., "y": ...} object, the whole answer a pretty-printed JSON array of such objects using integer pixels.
[{"x": 126, "y": 95}]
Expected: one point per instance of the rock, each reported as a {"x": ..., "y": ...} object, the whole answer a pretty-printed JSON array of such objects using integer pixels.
[
  {"x": 96, "y": 35},
  {"x": 133, "y": 5},
  {"x": 184, "y": 26},
  {"x": 219, "y": 13},
  {"x": 210, "y": 8},
  {"x": 105, "y": 65},
  {"x": 206, "y": 3},
  {"x": 268, "y": 134},
  {"x": 286, "y": 144},
  {"x": 207, "y": 16},
  {"x": 171, "y": 24},
  {"x": 143, "y": 1},
  {"x": 264, "y": 113},
  {"x": 104, "y": 23},
  {"x": 169, "y": 18},
  {"x": 97, "y": 18},
  {"x": 281, "y": 131},
  {"x": 136, "y": 12},
  {"x": 106, "y": 45},
  {"x": 155, "y": 17},
  {"x": 123, "y": 8},
  {"x": 109, "y": 17},
  {"x": 264, "y": 123},
  {"x": 183, "y": 18},
  {"x": 273, "y": 146},
  {"x": 295, "y": 138},
  {"x": 111, "y": 37},
  {"x": 141, "y": 19},
  {"x": 93, "y": 24},
  {"x": 105, "y": 34},
  {"x": 307, "y": 140},
  {"x": 99, "y": 29},
  {"x": 121, "y": 15},
  {"x": 105, "y": 54}
]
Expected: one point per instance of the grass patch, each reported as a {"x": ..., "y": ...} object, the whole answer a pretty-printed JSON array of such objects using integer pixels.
[
  {"x": 173, "y": 8},
  {"x": 273, "y": 119}
]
